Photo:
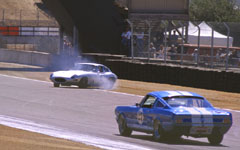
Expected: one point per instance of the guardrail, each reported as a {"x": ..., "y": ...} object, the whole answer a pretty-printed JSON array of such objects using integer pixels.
[{"x": 28, "y": 31}]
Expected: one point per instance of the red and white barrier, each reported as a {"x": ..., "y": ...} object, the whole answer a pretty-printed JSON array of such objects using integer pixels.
[{"x": 29, "y": 31}]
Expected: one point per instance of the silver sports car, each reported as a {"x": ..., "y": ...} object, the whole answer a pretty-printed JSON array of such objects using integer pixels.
[{"x": 85, "y": 75}]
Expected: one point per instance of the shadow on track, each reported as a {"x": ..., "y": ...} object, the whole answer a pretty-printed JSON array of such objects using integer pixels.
[{"x": 181, "y": 141}]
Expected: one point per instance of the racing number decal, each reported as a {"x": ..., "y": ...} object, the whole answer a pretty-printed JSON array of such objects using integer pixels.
[{"x": 140, "y": 116}]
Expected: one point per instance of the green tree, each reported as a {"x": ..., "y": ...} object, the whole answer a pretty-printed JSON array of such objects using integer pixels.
[{"x": 214, "y": 10}]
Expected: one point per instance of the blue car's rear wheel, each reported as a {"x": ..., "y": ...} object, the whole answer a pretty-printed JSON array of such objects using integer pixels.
[
  {"x": 158, "y": 131},
  {"x": 122, "y": 126},
  {"x": 215, "y": 139}
]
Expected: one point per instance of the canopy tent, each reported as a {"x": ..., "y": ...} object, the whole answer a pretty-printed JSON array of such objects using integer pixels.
[{"x": 206, "y": 35}]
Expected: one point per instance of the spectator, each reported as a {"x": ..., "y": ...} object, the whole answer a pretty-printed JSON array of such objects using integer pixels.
[
  {"x": 174, "y": 38},
  {"x": 128, "y": 37},
  {"x": 173, "y": 52},
  {"x": 218, "y": 55},
  {"x": 152, "y": 49},
  {"x": 159, "y": 52},
  {"x": 160, "y": 37},
  {"x": 195, "y": 55},
  {"x": 223, "y": 55},
  {"x": 233, "y": 58},
  {"x": 140, "y": 41},
  {"x": 124, "y": 41}
]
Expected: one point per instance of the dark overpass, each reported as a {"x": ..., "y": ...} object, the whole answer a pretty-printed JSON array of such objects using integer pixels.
[{"x": 99, "y": 22}]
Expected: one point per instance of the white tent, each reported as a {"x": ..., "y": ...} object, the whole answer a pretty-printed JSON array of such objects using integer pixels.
[{"x": 206, "y": 35}]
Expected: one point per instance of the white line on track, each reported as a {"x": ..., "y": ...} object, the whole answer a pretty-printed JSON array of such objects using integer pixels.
[
  {"x": 60, "y": 133},
  {"x": 15, "y": 77}
]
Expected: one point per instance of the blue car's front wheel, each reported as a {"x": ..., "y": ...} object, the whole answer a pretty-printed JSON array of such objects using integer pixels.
[{"x": 122, "y": 126}]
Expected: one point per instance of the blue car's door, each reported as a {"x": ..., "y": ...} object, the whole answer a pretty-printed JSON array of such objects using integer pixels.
[
  {"x": 143, "y": 113},
  {"x": 158, "y": 111},
  {"x": 131, "y": 117}
]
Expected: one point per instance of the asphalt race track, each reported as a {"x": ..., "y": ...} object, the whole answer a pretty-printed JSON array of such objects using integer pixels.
[{"x": 89, "y": 112}]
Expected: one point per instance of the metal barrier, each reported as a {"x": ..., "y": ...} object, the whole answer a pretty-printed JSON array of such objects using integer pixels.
[{"x": 28, "y": 30}]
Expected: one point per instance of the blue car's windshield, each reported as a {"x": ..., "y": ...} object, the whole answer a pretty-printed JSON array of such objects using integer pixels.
[{"x": 188, "y": 102}]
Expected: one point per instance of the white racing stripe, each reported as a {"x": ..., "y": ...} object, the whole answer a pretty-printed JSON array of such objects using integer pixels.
[
  {"x": 61, "y": 133},
  {"x": 196, "y": 115},
  {"x": 172, "y": 93},
  {"x": 185, "y": 93},
  {"x": 207, "y": 115}
]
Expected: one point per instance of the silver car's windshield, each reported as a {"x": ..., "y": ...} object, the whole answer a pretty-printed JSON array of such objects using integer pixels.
[
  {"x": 188, "y": 102},
  {"x": 86, "y": 67}
]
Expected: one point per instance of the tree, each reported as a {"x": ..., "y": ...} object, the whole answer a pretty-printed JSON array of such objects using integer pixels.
[{"x": 214, "y": 10}]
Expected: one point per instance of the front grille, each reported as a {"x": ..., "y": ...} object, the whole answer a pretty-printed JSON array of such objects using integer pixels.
[{"x": 60, "y": 80}]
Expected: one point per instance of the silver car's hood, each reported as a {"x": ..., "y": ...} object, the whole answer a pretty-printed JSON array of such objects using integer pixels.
[{"x": 70, "y": 73}]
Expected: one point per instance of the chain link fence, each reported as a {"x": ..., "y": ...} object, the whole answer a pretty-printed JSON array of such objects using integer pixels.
[
  {"x": 201, "y": 44},
  {"x": 32, "y": 30},
  {"x": 26, "y": 18}
]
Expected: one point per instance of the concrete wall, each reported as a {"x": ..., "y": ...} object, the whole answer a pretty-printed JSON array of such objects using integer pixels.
[
  {"x": 183, "y": 76},
  {"x": 26, "y": 57},
  {"x": 46, "y": 44}
]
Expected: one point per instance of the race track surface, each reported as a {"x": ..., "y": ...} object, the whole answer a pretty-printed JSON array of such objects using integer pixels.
[{"x": 89, "y": 112}]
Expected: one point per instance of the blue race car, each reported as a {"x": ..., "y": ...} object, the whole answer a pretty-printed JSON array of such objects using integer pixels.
[{"x": 172, "y": 114}]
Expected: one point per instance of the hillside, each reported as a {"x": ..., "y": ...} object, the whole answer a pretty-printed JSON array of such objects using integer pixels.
[
  {"x": 12, "y": 11},
  {"x": 18, "y": 4}
]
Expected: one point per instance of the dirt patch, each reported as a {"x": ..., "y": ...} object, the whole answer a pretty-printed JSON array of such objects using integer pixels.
[{"x": 12, "y": 139}]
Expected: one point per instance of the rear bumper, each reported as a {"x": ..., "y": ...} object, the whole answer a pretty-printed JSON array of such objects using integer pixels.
[{"x": 188, "y": 130}]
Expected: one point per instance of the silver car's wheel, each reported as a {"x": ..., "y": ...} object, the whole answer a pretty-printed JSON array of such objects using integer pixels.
[
  {"x": 122, "y": 126},
  {"x": 158, "y": 131},
  {"x": 110, "y": 83},
  {"x": 83, "y": 83},
  {"x": 56, "y": 84}
]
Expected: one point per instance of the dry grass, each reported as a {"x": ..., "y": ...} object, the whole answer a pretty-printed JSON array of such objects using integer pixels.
[{"x": 15, "y": 139}]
